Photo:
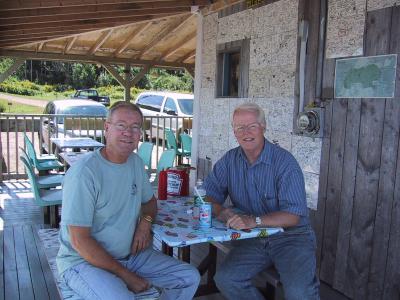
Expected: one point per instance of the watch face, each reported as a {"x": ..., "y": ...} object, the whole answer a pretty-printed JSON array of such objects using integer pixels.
[{"x": 258, "y": 220}]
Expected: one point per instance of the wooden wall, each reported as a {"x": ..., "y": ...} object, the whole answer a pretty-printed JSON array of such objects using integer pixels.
[{"x": 358, "y": 218}]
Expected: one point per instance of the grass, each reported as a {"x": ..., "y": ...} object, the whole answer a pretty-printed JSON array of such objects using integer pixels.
[{"x": 17, "y": 108}]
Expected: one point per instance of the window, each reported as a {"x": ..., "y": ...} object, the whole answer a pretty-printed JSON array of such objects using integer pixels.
[
  {"x": 170, "y": 107},
  {"x": 233, "y": 69},
  {"x": 151, "y": 102}
]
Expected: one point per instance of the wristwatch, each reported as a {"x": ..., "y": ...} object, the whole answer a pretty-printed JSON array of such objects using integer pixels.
[{"x": 258, "y": 221}]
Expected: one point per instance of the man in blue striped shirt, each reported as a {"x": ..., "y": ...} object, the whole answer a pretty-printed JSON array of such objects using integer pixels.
[{"x": 266, "y": 183}]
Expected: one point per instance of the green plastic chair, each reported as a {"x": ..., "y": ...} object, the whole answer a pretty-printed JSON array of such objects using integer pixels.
[
  {"x": 44, "y": 198},
  {"x": 165, "y": 162},
  {"x": 42, "y": 157},
  {"x": 186, "y": 141},
  {"x": 45, "y": 181},
  {"x": 171, "y": 140},
  {"x": 44, "y": 164},
  {"x": 145, "y": 152}
]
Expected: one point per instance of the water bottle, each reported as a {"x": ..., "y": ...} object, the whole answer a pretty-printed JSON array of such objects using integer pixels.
[{"x": 197, "y": 201}]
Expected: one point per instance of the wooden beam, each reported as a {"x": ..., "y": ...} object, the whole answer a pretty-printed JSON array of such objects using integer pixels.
[
  {"x": 127, "y": 41},
  {"x": 163, "y": 34},
  {"x": 114, "y": 73},
  {"x": 187, "y": 56},
  {"x": 91, "y": 59},
  {"x": 100, "y": 41},
  {"x": 190, "y": 71},
  {"x": 51, "y": 4},
  {"x": 89, "y": 16},
  {"x": 140, "y": 75},
  {"x": 99, "y": 23},
  {"x": 14, "y": 67},
  {"x": 69, "y": 44},
  {"x": 177, "y": 46}
]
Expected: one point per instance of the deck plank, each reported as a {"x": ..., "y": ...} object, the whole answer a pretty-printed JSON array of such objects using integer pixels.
[
  {"x": 38, "y": 280},
  {"x": 10, "y": 269},
  {"x": 21, "y": 259},
  {"x": 47, "y": 273}
]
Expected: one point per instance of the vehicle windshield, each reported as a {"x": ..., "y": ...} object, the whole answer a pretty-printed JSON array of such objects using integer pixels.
[
  {"x": 97, "y": 111},
  {"x": 186, "y": 106}
]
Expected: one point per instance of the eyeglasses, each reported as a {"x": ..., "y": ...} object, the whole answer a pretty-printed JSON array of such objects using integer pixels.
[
  {"x": 241, "y": 129},
  {"x": 123, "y": 127}
]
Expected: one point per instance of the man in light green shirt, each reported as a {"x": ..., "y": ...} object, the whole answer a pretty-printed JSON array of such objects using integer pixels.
[{"x": 107, "y": 210}]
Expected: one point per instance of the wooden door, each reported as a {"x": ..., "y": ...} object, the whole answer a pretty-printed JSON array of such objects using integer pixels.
[{"x": 358, "y": 218}]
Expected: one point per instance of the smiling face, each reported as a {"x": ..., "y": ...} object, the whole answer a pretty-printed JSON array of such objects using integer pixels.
[
  {"x": 249, "y": 133},
  {"x": 120, "y": 142}
]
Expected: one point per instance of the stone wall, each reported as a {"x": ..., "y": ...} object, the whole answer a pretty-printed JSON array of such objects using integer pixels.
[{"x": 272, "y": 30}]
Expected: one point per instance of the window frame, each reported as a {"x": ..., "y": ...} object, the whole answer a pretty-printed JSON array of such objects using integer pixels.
[{"x": 223, "y": 50}]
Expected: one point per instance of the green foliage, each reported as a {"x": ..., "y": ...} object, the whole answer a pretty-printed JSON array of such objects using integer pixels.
[
  {"x": 25, "y": 87},
  {"x": 83, "y": 76}
]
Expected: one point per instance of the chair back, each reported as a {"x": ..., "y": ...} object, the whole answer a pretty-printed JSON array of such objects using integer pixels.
[
  {"x": 145, "y": 152},
  {"x": 186, "y": 141},
  {"x": 171, "y": 140},
  {"x": 31, "y": 151},
  {"x": 32, "y": 180},
  {"x": 166, "y": 161}
]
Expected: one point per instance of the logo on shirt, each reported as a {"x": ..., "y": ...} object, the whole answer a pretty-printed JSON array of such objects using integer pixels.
[{"x": 134, "y": 189}]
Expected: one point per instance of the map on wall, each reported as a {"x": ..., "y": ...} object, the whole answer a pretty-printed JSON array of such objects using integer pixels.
[{"x": 366, "y": 77}]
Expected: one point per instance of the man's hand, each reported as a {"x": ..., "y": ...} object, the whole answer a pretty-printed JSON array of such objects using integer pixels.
[
  {"x": 225, "y": 214},
  {"x": 134, "y": 282},
  {"x": 142, "y": 237},
  {"x": 239, "y": 222}
]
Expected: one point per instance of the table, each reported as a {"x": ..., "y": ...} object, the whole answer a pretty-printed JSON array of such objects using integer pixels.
[
  {"x": 70, "y": 158},
  {"x": 175, "y": 227},
  {"x": 76, "y": 143}
]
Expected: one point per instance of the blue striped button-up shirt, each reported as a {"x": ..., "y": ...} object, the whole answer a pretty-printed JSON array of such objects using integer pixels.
[{"x": 274, "y": 182}]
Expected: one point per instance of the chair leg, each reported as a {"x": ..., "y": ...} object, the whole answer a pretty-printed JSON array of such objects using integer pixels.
[{"x": 46, "y": 215}]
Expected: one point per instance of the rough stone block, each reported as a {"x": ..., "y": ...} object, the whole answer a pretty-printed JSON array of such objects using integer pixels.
[
  {"x": 345, "y": 31},
  {"x": 281, "y": 138},
  {"x": 307, "y": 151},
  {"x": 276, "y": 50},
  {"x": 378, "y": 4},
  {"x": 235, "y": 27},
  {"x": 208, "y": 76},
  {"x": 312, "y": 185},
  {"x": 278, "y": 17}
]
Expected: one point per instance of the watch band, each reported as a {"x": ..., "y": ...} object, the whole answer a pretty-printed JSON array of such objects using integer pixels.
[{"x": 258, "y": 221}]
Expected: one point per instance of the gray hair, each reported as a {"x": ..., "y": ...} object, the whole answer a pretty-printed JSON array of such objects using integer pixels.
[
  {"x": 123, "y": 104},
  {"x": 254, "y": 108}
]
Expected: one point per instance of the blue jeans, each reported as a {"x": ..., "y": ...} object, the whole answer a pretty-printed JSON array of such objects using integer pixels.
[
  {"x": 291, "y": 252},
  {"x": 178, "y": 280}
]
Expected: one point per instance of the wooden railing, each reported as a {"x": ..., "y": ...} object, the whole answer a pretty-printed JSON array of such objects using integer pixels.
[{"x": 13, "y": 127}]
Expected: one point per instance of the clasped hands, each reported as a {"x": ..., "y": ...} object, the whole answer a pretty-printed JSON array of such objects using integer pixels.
[{"x": 236, "y": 221}]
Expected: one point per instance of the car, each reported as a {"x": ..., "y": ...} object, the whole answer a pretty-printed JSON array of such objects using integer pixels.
[
  {"x": 87, "y": 120},
  {"x": 91, "y": 94},
  {"x": 168, "y": 105}
]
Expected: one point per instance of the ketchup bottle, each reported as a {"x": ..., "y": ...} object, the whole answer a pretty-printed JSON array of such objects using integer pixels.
[{"x": 162, "y": 185}]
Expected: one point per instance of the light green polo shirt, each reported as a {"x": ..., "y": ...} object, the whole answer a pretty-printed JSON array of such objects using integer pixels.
[{"x": 106, "y": 197}]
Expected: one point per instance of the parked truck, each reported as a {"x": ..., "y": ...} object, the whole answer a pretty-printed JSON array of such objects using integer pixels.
[{"x": 91, "y": 94}]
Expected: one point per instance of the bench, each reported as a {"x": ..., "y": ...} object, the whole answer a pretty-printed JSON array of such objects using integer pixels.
[
  {"x": 51, "y": 244},
  {"x": 269, "y": 276}
]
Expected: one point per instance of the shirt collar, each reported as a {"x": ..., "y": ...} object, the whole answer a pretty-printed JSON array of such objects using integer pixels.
[{"x": 265, "y": 155}]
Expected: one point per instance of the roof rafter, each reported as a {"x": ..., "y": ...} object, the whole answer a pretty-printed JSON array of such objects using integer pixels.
[
  {"x": 91, "y": 59},
  {"x": 100, "y": 41},
  {"x": 126, "y": 42},
  {"x": 177, "y": 46},
  {"x": 163, "y": 34}
]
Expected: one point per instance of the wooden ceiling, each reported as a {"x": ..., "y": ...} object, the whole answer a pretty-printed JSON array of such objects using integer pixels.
[{"x": 139, "y": 32}]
